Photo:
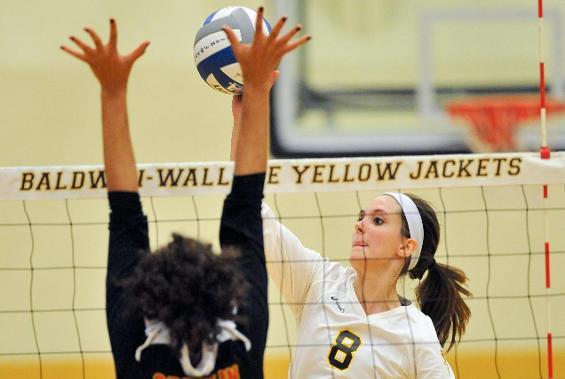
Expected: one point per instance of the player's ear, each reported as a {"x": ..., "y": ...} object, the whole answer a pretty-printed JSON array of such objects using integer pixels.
[{"x": 407, "y": 247}]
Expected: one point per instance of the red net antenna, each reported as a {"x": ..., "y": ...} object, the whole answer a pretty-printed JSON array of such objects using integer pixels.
[
  {"x": 545, "y": 154},
  {"x": 494, "y": 120}
]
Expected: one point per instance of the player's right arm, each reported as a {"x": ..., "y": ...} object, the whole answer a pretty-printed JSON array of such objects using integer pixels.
[
  {"x": 112, "y": 71},
  {"x": 128, "y": 225},
  {"x": 290, "y": 265},
  {"x": 241, "y": 219},
  {"x": 289, "y": 262}
]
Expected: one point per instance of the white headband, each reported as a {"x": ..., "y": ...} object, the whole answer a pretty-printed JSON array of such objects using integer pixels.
[{"x": 415, "y": 225}]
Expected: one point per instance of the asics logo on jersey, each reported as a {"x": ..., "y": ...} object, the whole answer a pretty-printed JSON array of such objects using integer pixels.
[{"x": 341, "y": 309}]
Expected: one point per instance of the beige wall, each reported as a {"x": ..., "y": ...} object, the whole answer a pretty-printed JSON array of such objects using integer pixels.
[{"x": 49, "y": 101}]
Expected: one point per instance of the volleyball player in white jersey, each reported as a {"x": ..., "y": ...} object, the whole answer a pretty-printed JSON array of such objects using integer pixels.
[{"x": 351, "y": 321}]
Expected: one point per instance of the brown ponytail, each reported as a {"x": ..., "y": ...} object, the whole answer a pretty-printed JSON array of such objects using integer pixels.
[{"x": 440, "y": 293}]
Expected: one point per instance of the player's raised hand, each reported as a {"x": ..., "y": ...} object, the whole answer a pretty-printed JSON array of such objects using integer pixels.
[
  {"x": 110, "y": 68},
  {"x": 260, "y": 59}
]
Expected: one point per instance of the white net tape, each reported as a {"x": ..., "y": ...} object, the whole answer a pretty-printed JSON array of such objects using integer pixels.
[{"x": 311, "y": 175}]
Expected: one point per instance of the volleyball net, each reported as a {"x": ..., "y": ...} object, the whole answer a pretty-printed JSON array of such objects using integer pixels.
[{"x": 496, "y": 226}]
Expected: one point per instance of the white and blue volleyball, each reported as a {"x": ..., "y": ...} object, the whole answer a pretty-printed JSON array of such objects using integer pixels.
[{"x": 213, "y": 55}]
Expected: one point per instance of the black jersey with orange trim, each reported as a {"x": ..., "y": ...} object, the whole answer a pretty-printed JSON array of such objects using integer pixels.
[{"x": 241, "y": 227}]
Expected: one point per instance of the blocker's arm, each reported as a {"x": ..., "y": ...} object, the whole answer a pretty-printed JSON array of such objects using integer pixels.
[
  {"x": 112, "y": 71},
  {"x": 259, "y": 61},
  {"x": 119, "y": 160}
]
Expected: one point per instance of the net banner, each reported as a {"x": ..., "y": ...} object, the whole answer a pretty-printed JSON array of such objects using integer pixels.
[{"x": 320, "y": 175}]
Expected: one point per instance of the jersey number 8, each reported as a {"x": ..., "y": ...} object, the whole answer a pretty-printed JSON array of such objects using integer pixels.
[{"x": 341, "y": 353}]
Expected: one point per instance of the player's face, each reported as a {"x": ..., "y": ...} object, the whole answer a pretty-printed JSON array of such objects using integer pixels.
[{"x": 376, "y": 238}]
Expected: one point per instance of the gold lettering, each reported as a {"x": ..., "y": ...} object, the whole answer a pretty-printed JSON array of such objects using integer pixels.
[
  {"x": 364, "y": 176},
  {"x": 318, "y": 171},
  {"x": 331, "y": 178},
  {"x": 432, "y": 170},
  {"x": 204, "y": 180},
  {"x": 27, "y": 181},
  {"x": 98, "y": 181},
  {"x": 140, "y": 176},
  {"x": 221, "y": 178},
  {"x": 463, "y": 165},
  {"x": 444, "y": 172},
  {"x": 169, "y": 180},
  {"x": 58, "y": 185},
  {"x": 273, "y": 175},
  {"x": 346, "y": 177},
  {"x": 515, "y": 166},
  {"x": 482, "y": 169},
  {"x": 418, "y": 172},
  {"x": 499, "y": 162},
  {"x": 388, "y": 173},
  {"x": 78, "y": 180},
  {"x": 190, "y": 177},
  {"x": 44, "y": 182},
  {"x": 300, "y": 172}
]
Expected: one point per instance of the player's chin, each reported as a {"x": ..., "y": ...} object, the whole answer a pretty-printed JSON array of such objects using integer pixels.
[
  {"x": 357, "y": 262},
  {"x": 357, "y": 255}
]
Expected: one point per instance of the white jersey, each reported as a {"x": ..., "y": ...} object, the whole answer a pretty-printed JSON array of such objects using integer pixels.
[{"x": 336, "y": 338}]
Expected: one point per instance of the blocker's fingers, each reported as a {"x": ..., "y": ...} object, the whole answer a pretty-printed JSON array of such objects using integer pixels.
[
  {"x": 232, "y": 38},
  {"x": 288, "y": 36},
  {"x": 277, "y": 29},
  {"x": 259, "y": 22},
  {"x": 84, "y": 47},
  {"x": 294, "y": 44},
  {"x": 113, "y": 34},
  {"x": 95, "y": 37},
  {"x": 138, "y": 52},
  {"x": 75, "y": 54}
]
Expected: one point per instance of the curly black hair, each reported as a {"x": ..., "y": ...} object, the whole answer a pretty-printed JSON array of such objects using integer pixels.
[{"x": 188, "y": 287}]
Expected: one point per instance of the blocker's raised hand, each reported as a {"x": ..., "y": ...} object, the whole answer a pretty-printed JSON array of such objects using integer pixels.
[
  {"x": 260, "y": 59},
  {"x": 110, "y": 68}
]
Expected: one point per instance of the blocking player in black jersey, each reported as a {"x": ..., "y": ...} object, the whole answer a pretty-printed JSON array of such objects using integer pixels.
[{"x": 183, "y": 311}]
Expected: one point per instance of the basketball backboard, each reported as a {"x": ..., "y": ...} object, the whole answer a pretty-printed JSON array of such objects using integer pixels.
[{"x": 377, "y": 76}]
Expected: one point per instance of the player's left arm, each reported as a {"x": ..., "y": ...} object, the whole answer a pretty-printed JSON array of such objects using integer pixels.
[
  {"x": 128, "y": 241},
  {"x": 242, "y": 224},
  {"x": 242, "y": 228},
  {"x": 128, "y": 225}
]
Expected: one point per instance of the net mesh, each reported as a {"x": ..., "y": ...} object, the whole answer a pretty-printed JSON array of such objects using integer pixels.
[{"x": 53, "y": 255}]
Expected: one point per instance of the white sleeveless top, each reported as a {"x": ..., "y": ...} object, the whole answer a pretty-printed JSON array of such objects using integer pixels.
[{"x": 336, "y": 339}]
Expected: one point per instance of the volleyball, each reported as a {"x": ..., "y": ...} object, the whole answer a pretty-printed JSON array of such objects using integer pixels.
[{"x": 213, "y": 54}]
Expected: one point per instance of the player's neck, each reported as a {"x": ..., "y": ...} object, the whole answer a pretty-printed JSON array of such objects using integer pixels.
[{"x": 376, "y": 292}]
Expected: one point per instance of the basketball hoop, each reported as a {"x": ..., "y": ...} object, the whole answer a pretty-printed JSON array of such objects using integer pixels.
[{"x": 494, "y": 120}]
